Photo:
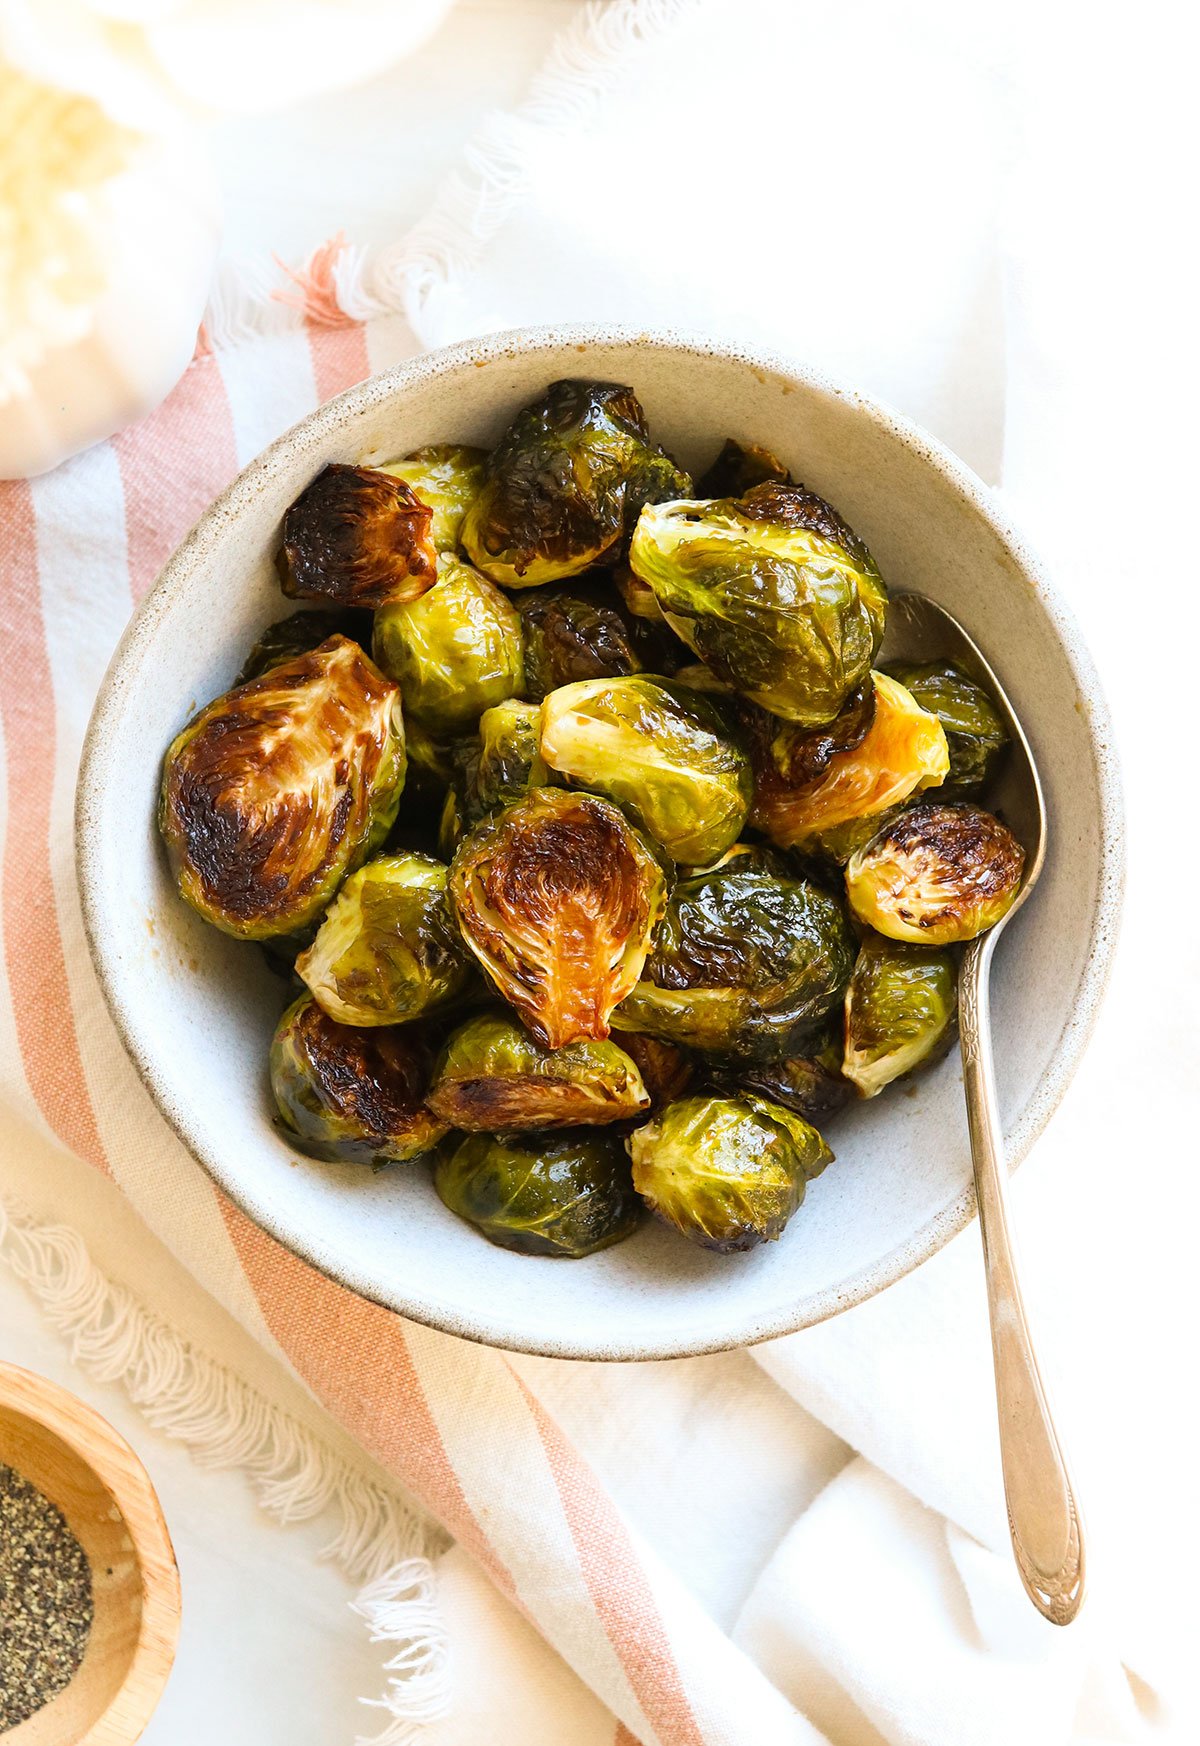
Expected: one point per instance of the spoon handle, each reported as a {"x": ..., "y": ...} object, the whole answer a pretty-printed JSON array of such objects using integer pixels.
[{"x": 1043, "y": 1517}]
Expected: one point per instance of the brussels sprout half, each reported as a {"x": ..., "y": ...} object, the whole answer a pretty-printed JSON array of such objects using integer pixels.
[
  {"x": 279, "y": 789},
  {"x": 350, "y": 1095},
  {"x": 773, "y": 592},
  {"x": 493, "y": 1077},
  {"x": 662, "y": 752},
  {"x": 785, "y": 755},
  {"x": 358, "y": 538},
  {"x": 446, "y": 477},
  {"x": 558, "y": 898},
  {"x": 387, "y": 950},
  {"x": 727, "y": 1172},
  {"x": 975, "y": 732},
  {"x": 564, "y": 485},
  {"x": 899, "y": 1011},
  {"x": 902, "y": 752},
  {"x": 455, "y": 652},
  {"x": 739, "y": 468},
  {"x": 810, "y": 1083},
  {"x": 745, "y": 962},
  {"x": 937, "y": 874},
  {"x": 299, "y": 634},
  {"x": 571, "y": 635},
  {"x": 564, "y": 1195}
]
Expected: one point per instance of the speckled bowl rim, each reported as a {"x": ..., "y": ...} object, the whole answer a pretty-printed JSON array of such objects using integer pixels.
[{"x": 325, "y": 421}]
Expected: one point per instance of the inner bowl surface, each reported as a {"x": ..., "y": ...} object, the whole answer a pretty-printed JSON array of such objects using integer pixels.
[{"x": 196, "y": 1009}]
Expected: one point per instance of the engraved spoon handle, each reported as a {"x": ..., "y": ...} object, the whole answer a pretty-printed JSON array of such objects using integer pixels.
[{"x": 1043, "y": 1518}]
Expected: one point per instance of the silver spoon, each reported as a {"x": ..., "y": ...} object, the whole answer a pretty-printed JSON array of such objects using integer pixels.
[{"x": 1043, "y": 1517}]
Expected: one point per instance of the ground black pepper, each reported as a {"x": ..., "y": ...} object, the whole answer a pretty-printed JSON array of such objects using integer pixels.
[{"x": 45, "y": 1600}]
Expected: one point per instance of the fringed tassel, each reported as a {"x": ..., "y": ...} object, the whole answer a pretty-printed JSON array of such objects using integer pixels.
[
  {"x": 417, "y": 276},
  {"x": 381, "y": 1540}
]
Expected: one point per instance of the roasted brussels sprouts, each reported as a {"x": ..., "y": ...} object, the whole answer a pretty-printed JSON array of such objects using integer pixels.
[
  {"x": 492, "y": 1077},
  {"x": 639, "y": 598},
  {"x": 938, "y": 873},
  {"x": 662, "y": 752},
  {"x": 667, "y": 1072},
  {"x": 975, "y": 732},
  {"x": 727, "y": 1172},
  {"x": 573, "y": 634},
  {"x": 299, "y": 634},
  {"x": 446, "y": 477},
  {"x": 357, "y": 538},
  {"x": 810, "y": 1082},
  {"x": 387, "y": 949},
  {"x": 278, "y": 790},
  {"x": 454, "y": 652},
  {"x": 566, "y": 1194},
  {"x": 745, "y": 962},
  {"x": 739, "y": 468},
  {"x": 558, "y": 898},
  {"x": 509, "y": 762},
  {"x": 899, "y": 1011},
  {"x": 563, "y": 486},
  {"x": 773, "y": 592},
  {"x": 902, "y": 752},
  {"x": 346, "y": 1094},
  {"x": 789, "y": 756}
]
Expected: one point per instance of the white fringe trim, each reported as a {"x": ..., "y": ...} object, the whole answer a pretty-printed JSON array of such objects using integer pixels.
[
  {"x": 419, "y": 275},
  {"x": 381, "y": 1541}
]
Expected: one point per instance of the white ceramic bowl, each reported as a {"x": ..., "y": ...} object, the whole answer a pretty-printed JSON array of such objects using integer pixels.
[{"x": 901, "y": 1185}]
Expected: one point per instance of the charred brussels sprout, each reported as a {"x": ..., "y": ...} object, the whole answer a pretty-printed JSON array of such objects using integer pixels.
[
  {"x": 787, "y": 756},
  {"x": 667, "y": 1072},
  {"x": 739, "y": 468},
  {"x": 745, "y": 962},
  {"x": 278, "y": 790},
  {"x": 446, "y": 478},
  {"x": 773, "y": 592},
  {"x": 350, "y": 1095},
  {"x": 573, "y": 635},
  {"x": 902, "y": 752},
  {"x": 663, "y": 753},
  {"x": 299, "y": 634},
  {"x": 727, "y": 1172},
  {"x": 454, "y": 652},
  {"x": 558, "y": 898},
  {"x": 936, "y": 874},
  {"x": 565, "y": 1195},
  {"x": 493, "y": 1077},
  {"x": 810, "y": 1083},
  {"x": 563, "y": 486},
  {"x": 387, "y": 949},
  {"x": 975, "y": 732},
  {"x": 899, "y": 1011},
  {"x": 357, "y": 538}
]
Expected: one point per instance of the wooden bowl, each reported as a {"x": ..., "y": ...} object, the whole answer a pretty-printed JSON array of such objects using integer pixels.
[{"x": 91, "y": 1474}]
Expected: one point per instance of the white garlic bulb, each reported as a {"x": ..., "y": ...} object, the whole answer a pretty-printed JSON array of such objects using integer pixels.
[{"x": 108, "y": 237}]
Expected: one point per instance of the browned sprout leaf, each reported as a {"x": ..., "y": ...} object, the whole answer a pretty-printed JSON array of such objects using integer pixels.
[
  {"x": 667, "y": 1072},
  {"x": 279, "y": 789},
  {"x": 348, "y": 1094},
  {"x": 357, "y": 537},
  {"x": 936, "y": 875},
  {"x": 739, "y": 468},
  {"x": 558, "y": 897}
]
